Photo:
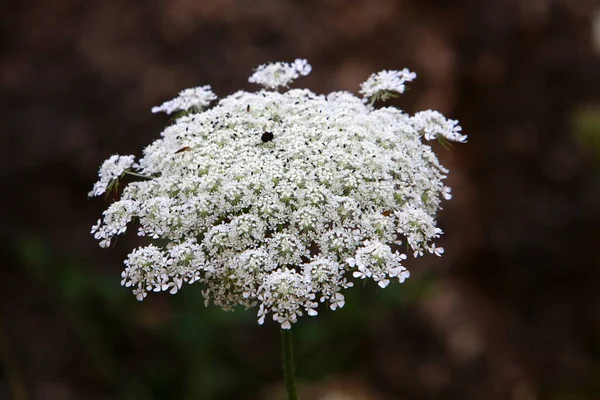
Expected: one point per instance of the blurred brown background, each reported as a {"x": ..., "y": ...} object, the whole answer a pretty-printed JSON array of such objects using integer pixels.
[{"x": 512, "y": 311}]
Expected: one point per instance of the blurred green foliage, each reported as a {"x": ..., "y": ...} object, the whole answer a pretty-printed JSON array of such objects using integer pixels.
[{"x": 586, "y": 125}]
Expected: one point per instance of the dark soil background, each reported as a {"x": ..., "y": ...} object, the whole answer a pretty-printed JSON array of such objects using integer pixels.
[{"x": 512, "y": 310}]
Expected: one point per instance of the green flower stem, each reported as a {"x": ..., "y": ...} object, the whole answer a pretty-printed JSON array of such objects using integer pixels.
[
  {"x": 137, "y": 175},
  {"x": 289, "y": 374}
]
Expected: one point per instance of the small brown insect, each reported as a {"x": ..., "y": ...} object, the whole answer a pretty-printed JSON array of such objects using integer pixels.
[
  {"x": 181, "y": 150},
  {"x": 248, "y": 108}
]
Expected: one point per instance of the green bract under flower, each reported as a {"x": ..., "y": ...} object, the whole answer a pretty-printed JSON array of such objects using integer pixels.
[{"x": 280, "y": 200}]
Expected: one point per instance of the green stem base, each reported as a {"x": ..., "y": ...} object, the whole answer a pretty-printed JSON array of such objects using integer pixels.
[{"x": 289, "y": 373}]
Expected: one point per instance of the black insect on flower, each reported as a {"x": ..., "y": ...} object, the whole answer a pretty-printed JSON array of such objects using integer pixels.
[{"x": 267, "y": 137}]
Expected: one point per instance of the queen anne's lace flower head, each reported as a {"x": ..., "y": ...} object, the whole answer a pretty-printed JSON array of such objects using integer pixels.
[{"x": 280, "y": 200}]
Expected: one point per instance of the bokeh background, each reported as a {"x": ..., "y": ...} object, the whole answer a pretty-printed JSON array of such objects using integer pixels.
[{"x": 512, "y": 310}]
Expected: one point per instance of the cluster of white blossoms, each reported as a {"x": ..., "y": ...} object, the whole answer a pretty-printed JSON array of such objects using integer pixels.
[
  {"x": 278, "y": 74},
  {"x": 435, "y": 126},
  {"x": 110, "y": 171},
  {"x": 193, "y": 98},
  {"x": 384, "y": 84},
  {"x": 280, "y": 200}
]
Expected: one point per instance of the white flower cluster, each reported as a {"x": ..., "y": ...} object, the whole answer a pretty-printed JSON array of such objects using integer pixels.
[
  {"x": 278, "y": 74},
  {"x": 279, "y": 200},
  {"x": 111, "y": 170},
  {"x": 194, "y": 98},
  {"x": 386, "y": 81},
  {"x": 434, "y": 125}
]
